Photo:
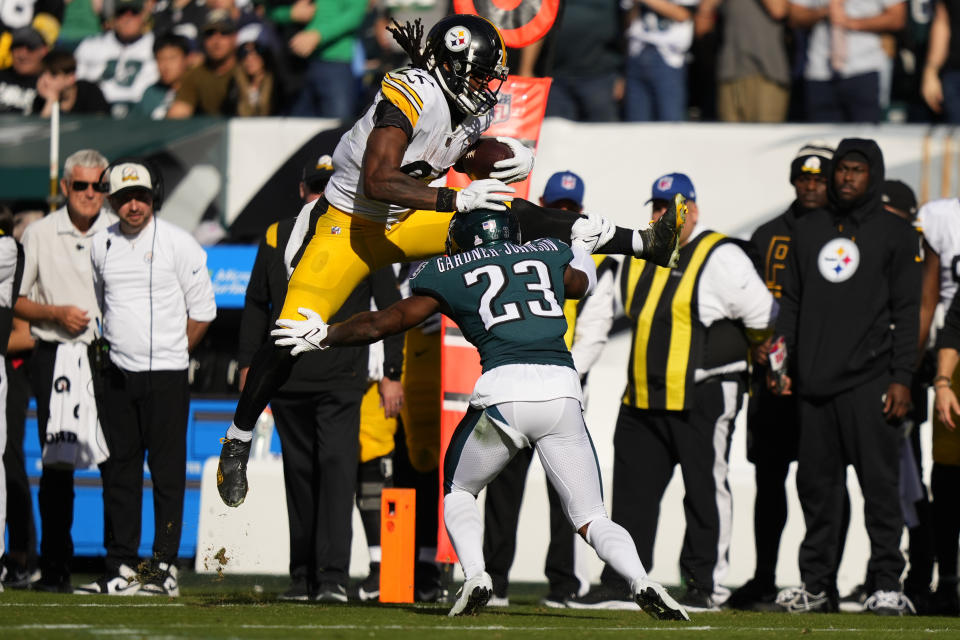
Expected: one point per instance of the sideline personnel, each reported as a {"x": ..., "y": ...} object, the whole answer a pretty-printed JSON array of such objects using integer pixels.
[
  {"x": 853, "y": 273},
  {"x": 157, "y": 301},
  {"x": 57, "y": 298},
  {"x": 692, "y": 328},
  {"x": 772, "y": 428}
]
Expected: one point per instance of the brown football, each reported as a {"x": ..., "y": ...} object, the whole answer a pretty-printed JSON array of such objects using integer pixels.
[{"x": 478, "y": 161}]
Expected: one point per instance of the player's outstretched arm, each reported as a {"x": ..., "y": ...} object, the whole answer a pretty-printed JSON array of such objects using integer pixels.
[
  {"x": 659, "y": 243},
  {"x": 370, "y": 326}
]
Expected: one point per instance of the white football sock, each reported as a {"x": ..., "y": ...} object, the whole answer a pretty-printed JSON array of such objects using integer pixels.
[
  {"x": 615, "y": 547},
  {"x": 236, "y": 433},
  {"x": 465, "y": 528}
]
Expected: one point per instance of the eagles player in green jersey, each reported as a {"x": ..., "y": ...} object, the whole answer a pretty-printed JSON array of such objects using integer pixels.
[{"x": 507, "y": 299}]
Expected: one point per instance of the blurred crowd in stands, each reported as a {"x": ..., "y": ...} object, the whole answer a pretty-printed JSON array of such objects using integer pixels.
[{"x": 610, "y": 60}]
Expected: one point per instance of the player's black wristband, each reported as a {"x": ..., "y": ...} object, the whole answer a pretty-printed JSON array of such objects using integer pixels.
[
  {"x": 621, "y": 244},
  {"x": 446, "y": 199}
]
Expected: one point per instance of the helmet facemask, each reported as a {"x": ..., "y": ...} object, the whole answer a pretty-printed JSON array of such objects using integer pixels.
[
  {"x": 466, "y": 56},
  {"x": 471, "y": 86}
]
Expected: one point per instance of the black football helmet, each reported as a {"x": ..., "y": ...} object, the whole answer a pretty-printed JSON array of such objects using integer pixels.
[
  {"x": 466, "y": 54},
  {"x": 481, "y": 227}
]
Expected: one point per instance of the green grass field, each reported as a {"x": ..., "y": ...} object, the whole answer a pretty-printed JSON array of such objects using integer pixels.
[{"x": 245, "y": 607}]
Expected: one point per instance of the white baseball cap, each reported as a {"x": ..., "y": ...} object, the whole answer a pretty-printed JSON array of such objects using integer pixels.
[{"x": 129, "y": 175}]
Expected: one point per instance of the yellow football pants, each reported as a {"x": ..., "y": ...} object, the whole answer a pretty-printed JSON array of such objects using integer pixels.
[
  {"x": 345, "y": 249},
  {"x": 421, "y": 407},
  {"x": 376, "y": 429}
]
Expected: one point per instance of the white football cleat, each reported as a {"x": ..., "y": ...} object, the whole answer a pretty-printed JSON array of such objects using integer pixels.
[
  {"x": 473, "y": 595},
  {"x": 161, "y": 581},
  {"x": 124, "y": 583},
  {"x": 655, "y": 600}
]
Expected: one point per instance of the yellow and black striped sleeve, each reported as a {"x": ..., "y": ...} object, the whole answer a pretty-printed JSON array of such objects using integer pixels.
[{"x": 399, "y": 93}]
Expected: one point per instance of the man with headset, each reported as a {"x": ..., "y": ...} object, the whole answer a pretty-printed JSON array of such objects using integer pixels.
[{"x": 149, "y": 274}]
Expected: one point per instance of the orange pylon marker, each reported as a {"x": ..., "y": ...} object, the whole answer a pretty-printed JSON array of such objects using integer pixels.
[{"x": 398, "y": 520}]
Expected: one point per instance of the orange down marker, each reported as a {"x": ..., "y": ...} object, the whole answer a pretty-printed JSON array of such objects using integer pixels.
[{"x": 398, "y": 519}]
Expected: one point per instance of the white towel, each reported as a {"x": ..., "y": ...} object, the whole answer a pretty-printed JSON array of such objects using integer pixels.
[{"x": 74, "y": 436}]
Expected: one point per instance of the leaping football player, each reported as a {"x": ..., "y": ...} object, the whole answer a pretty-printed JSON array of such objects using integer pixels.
[{"x": 379, "y": 208}]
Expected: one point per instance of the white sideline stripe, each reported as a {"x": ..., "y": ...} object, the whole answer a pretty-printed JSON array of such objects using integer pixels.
[
  {"x": 88, "y": 604},
  {"x": 114, "y": 630},
  {"x": 678, "y": 627}
]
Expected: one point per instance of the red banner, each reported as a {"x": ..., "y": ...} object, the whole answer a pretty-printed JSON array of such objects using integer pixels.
[
  {"x": 519, "y": 115},
  {"x": 521, "y": 22}
]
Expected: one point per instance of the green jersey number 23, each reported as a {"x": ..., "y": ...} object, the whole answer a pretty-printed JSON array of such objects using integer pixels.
[{"x": 493, "y": 313}]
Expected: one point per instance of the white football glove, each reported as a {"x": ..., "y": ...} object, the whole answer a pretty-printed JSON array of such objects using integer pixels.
[
  {"x": 516, "y": 168},
  {"x": 484, "y": 194},
  {"x": 302, "y": 335},
  {"x": 591, "y": 232}
]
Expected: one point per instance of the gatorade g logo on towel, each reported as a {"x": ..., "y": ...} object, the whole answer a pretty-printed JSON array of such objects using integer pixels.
[
  {"x": 61, "y": 436},
  {"x": 62, "y": 385}
]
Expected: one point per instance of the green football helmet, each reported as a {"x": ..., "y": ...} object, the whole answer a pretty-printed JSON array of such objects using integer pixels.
[{"x": 481, "y": 227}]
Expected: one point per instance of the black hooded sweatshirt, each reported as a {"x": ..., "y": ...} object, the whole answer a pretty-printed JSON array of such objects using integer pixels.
[{"x": 851, "y": 292}]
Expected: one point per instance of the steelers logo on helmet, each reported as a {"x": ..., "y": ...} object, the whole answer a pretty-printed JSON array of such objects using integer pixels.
[
  {"x": 467, "y": 57},
  {"x": 457, "y": 38},
  {"x": 838, "y": 260}
]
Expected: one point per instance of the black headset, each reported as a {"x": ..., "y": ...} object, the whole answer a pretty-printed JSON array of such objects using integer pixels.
[{"x": 156, "y": 178}]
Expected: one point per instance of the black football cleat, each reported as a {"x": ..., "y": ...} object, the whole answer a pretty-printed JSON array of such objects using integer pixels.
[
  {"x": 656, "y": 602},
  {"x": 661, "y": 240},
  {"x": 232, "y": 471}
]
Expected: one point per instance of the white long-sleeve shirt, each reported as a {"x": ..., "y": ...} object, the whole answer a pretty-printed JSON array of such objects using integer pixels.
[{"x": 149, "y": 284}]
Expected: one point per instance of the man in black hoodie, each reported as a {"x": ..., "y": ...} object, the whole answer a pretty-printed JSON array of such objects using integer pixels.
[{"x": 853, "y": 273}]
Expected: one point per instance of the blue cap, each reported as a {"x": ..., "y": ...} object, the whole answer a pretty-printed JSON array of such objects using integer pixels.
[
  {"x": 564, "y": 185},
  {"x": 666, "y": 186}
]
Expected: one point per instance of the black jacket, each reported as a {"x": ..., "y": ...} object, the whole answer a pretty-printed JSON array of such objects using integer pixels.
[
  {"x": 771, "y": 245},
  {"x": 340, "y": 368},
  {"x": 850, "y": 311}
]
